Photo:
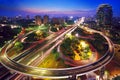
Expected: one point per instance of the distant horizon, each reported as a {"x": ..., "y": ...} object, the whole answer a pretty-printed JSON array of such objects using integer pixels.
[{"x": 78, "y": 13}]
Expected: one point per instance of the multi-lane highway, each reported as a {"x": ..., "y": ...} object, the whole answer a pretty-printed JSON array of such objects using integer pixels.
[{"x": 33, "y": 54}]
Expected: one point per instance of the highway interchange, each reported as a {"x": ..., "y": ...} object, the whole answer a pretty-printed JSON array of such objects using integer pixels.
[{"x": 26, "y": 62}]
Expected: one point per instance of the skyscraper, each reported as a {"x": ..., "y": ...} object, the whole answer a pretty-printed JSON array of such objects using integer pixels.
[
  {"x": 45, "y": 19},
  {"x": 38, "y": 20},
  {"x": 27, "y": 17},
  {"x": 104, "y": 15}
]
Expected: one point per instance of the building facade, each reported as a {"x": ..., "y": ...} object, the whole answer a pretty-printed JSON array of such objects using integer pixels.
[
  {"x": 104, "y": 16},
  {"x": 45, "y": 19},
  {"x": 38, "y": 20}
]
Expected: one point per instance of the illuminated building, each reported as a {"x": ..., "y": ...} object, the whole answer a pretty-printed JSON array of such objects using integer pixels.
[
  {"x": 38, "y": 20},
  {"x": 45, "y": 19},
  {"x": 19, "y": 17},
  {"x": 4, "y": 19},
  {"x": 55, "y": 21},
  {"x": 62, "y": 21},
  {"x": 104, "y": 15}
]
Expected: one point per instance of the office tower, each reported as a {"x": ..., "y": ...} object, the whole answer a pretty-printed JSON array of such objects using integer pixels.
[
  {"x": 38, "y": 20},
  {"x": 45, "y": 19},
  {"x": 104, "y": 16}
]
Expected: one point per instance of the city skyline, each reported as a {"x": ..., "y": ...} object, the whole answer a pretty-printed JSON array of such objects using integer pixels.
[{"x": 54, "y": 7}]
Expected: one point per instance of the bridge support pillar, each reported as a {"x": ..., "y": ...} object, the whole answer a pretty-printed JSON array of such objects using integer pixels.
[{"x": 102, "y": 71}]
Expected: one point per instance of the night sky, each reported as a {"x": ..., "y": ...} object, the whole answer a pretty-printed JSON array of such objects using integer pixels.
[{"x": 55, "y": 7}]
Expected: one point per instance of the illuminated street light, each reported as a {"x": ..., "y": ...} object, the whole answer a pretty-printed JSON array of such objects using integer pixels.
[
  {"x": 97, "y": 77},
  {"x": 77, "y": 35}
]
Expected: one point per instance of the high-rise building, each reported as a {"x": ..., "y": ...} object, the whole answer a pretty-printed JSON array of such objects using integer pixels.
[
  {"x": 55, "y": 21},
  {"x": 104, "y": 15},
  {"x": 62, "y": 20},
  {"x": 27, "y": 17},
  {"x": 19, "y": 17},
  {"x": 38, "y": 20},
  {"x": 45, "y": 19}
]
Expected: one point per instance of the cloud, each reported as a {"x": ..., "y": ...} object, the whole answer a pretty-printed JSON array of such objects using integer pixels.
[{"x": 56, "y": 12}]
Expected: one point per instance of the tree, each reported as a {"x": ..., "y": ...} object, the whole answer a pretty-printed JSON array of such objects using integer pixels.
[{"x": 18, "y": 46}]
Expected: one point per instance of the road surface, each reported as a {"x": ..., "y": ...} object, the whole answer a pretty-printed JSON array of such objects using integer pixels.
[{"x": 60, "y": 72}]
